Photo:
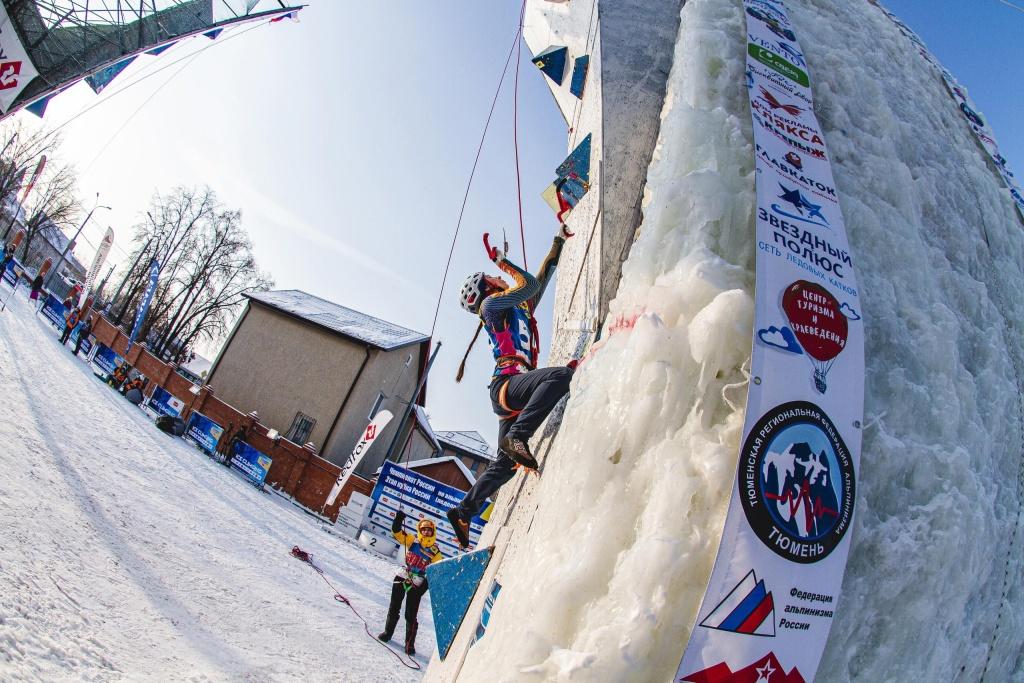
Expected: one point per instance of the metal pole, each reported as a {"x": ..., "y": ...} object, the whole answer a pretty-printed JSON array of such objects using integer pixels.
[
  {"x": 67, "y": 246},
  {"x": 125, "y": 279},
  {"x": 412, "y": 402}
]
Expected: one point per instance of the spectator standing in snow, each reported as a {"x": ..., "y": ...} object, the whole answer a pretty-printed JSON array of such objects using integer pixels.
[
  {"x": 84, "y": 330},
  {"x": 8, "y": 254},
  {"x": 70, "y": 320},
  {"x": 225, "y": 443},
  {"x": 241, "y": 435},
  {"x": 37, "y": 287},
  {"x": 411, "y": 584}
]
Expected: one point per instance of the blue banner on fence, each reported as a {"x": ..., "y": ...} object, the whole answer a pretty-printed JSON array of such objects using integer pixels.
[
  {"x": 252, "y": 463},
  {"x": 86, "y": 345},
  {"x": 12, "y": 272},
  {"x": 204, "y": 432},
  {"x": 166, "y": 404},
  {"x": 105, "y": 359},
  {"x": 419, "y": 497},
  {"x": 54, "y": 311}
]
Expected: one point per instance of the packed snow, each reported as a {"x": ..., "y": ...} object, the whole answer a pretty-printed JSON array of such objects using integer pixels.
[
  {"x": 634, "y": 494},
  {"x": 126, "y": 554}
]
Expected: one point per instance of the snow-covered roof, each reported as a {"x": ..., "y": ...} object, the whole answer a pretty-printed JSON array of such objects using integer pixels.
[
  {"x": 468, "y": 441},
  {"x": 198, "y": 365},
  {"x": 436, "y": 461},
  {"x": 421, "y": 417},
  {"x": 336, "y": 318}
]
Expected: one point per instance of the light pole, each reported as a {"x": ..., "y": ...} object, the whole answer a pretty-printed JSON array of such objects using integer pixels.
[{"x": 56, "y": 269}]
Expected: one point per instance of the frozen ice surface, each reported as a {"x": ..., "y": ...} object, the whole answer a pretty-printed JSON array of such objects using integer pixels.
[
  {"x": 635, "y": 490},
  {"x": 126, "y": 555}
]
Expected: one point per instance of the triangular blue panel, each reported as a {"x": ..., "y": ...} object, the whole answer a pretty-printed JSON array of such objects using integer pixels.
[
  {"x": 39, "y": 106},
  {"x": 579, "y": 76},
  {"x": 552, "y": 62},
  {"x": 102, "y": 78},
  {"x": 162, "y": 49},
  {"x": 577, "y": 164},
  {"x": 453, "y": 584},
  {"x": 212, "y": 35}
]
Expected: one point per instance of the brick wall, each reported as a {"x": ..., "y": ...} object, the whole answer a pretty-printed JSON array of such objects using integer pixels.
[{"x": 295, "y": 471}]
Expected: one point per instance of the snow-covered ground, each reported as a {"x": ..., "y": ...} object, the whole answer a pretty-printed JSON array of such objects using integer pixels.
[{"x": 125, "y": 554}]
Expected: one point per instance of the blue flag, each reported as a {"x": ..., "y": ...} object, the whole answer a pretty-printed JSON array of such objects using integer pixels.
[{"x": 147, "y": 298}]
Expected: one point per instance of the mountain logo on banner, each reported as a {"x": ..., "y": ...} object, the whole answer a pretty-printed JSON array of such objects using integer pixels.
[
  {"x": 773, "y": 24},
  {"x": 748, "y": 608},
  {"x": 9, "y": 72},
  {"x": 767, "y": 669},
  {"x": 799, "y": 496}
]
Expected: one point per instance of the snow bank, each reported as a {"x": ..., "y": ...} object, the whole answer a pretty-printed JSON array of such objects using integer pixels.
[
  {"x": 631, "y": 505},
  {"x": 125, "y": 554}
]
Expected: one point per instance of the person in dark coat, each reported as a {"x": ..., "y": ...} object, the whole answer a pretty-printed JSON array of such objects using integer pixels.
[
  {"x": 84, "y": 330},
  {"x": 37, "y": 287}
]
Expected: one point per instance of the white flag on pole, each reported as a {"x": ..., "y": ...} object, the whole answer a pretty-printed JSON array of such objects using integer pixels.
[{"x": 376, "y": 426}]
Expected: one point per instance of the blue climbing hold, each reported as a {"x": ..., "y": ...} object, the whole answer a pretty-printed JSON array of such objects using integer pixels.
[
  {"x": 552, "y": 62},
  {"x": 579, "y": 75},
  {"x": 453, "y": 584}
]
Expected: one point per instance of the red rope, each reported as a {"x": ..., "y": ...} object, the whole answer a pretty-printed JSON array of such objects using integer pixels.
[
  {"x": 302, "y": 556},
  {"x": 469, "y": 183},
  {"x": 515, "y": 131}
]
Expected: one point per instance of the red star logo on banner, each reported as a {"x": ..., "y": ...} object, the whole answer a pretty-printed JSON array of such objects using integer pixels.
[
  {"x": 9, "y": 72},
  {"x": 765, "y": 670}
]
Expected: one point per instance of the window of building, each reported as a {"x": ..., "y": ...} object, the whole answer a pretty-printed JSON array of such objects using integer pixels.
[{"x": 302, "y": 427}]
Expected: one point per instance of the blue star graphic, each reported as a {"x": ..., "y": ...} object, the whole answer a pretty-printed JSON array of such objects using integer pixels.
[{"x": 793, "y": 197}]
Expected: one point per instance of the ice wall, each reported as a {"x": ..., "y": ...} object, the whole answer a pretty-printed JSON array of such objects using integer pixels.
[{"x": 606, "y": 579}]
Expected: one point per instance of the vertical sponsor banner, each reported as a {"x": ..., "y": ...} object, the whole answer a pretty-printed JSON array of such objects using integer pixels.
[
  {"x": 147, "y": 298},
  {"x": 982, "y": 133},
  {"x": 40, "y": 165},
  {"x": 97, "y": 263},
  {"x": 775, "y": 583},
  {"x": 376, "y": 426},
  {"x": 16, "y": 69}
]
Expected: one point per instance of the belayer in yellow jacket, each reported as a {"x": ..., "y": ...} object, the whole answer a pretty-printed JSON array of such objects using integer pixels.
[{"x": 411, "y": 584}]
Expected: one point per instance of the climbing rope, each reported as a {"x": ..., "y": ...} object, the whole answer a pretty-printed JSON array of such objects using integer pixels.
[
  {"x": 307, "y": 558},
  {"x": 515, "y": 133},
  {"x": 476, "y": 161}
]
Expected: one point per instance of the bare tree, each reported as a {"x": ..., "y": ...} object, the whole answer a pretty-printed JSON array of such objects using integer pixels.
[
  {"x": 53, "y": 202},
  {"x": 207, "y": 267},
  {"x": 20, "y": 151}
]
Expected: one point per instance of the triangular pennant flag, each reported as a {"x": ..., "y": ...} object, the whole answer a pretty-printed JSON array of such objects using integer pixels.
[
  {"x": 39, "y": 106},
  {"x": 294, "y": 16},
  {"x": 212, "y": 35},
  {"x": 102, "y": 78},
  {"x": 552, "y": 62},
  {"x": 162, "y": 49}
]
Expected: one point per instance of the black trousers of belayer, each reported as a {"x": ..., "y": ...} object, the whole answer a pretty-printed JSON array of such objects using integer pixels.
[
  {"x": 534, "y": 394},
  {"x": 412, "y": 599}
]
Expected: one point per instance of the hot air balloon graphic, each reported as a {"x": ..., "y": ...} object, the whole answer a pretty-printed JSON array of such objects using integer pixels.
[{"x": 819, "y": 324}]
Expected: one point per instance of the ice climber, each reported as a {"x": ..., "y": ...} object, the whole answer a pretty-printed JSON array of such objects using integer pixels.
[
  {"x": 521, "y": 395},
  {"x": 411, "y": 583}
]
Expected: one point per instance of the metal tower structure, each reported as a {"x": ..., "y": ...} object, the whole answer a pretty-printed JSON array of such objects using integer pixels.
[{"x": 67, "y": 40}]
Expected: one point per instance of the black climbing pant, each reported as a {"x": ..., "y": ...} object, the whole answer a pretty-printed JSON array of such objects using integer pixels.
[
  {"x": 412, "y": 605},
  {"x": 534, "y": 395}
]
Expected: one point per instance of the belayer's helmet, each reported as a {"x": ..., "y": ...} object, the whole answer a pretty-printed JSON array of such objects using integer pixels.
[{"x": 472, "y": 293}]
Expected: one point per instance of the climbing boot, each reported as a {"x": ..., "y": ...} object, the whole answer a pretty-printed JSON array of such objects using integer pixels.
[
  {"x": 519, "y": 451},
  {"x": 461, "y": 528},
  {"x": 410, "y": 637}
]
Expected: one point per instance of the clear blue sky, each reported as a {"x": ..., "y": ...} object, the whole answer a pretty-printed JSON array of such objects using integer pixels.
[{"x": 347, "y": 140}]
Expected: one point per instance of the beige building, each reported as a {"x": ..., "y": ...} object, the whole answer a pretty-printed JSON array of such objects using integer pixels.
[{"x": 317, "y": 371}]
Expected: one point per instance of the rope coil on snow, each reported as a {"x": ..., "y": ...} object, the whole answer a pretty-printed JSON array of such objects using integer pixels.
[{"x": 307, "y": 558}]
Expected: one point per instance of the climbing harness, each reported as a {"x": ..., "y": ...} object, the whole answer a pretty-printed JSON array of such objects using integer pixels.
[{"x": 307, "y": 558}]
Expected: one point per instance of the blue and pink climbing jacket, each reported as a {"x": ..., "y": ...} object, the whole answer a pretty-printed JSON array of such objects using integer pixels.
[{"x": 508, "y": 316}]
